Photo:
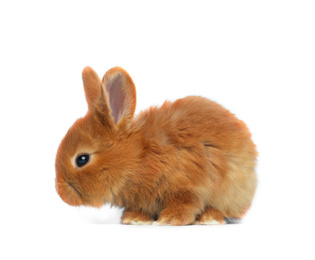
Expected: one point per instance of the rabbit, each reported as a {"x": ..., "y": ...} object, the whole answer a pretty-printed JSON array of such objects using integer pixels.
[{"x": 190, "y": 161}]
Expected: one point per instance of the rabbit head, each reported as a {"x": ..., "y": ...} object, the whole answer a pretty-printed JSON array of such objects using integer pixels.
[{"x": 92, "y": 152}]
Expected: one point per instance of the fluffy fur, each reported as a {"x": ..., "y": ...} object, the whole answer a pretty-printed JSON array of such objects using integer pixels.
[{"x": 189, "y": 161}]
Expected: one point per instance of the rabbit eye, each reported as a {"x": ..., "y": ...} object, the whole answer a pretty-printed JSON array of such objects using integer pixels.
[{"x": 82, "y": 160}]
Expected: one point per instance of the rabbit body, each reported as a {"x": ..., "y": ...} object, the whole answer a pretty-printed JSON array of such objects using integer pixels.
[{"x": 188, "y": 161}]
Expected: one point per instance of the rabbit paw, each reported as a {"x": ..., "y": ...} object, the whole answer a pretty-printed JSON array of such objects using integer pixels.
[
  {"x": 169, "y": 217},
  {"x": 135, "y": 218},
  {"x": 138, "y": 222},
  {"x": 210, "y": 216}
]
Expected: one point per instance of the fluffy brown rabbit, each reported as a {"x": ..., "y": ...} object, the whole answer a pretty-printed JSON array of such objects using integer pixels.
[{"x": 187, "y": 162}]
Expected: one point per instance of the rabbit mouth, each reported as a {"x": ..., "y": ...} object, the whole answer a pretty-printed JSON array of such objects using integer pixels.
[
  {"x": 75, "y": 198},
  {"x": 69, "y": 193},
  {"x": 74, "y": 188}
]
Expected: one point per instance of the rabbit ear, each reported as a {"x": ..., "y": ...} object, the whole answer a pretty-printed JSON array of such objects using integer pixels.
[
  {"x": 121, "y": 92},
  {"x": 96, "y": 97}
]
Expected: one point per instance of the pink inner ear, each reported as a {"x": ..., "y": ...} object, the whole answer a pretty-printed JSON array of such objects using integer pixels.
[{"x": 117, "y": 98}]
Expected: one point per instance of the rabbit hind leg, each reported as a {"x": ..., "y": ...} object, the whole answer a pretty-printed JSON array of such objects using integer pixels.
[{"x": 210, "y": 216}]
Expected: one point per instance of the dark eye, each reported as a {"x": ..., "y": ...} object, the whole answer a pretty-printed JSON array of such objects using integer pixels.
[{"x": 82, "y": 160}]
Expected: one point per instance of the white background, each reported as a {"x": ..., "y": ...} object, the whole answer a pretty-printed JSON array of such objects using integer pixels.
[{"x": 257, "y": 58}]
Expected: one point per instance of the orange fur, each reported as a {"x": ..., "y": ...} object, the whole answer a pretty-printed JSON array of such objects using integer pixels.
[{"x": 171, "y": 163}]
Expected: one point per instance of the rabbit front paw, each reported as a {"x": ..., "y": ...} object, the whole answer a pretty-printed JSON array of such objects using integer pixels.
[
  {"x": 135, "y": 218},
  {"x": 173, "y": 217}
]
